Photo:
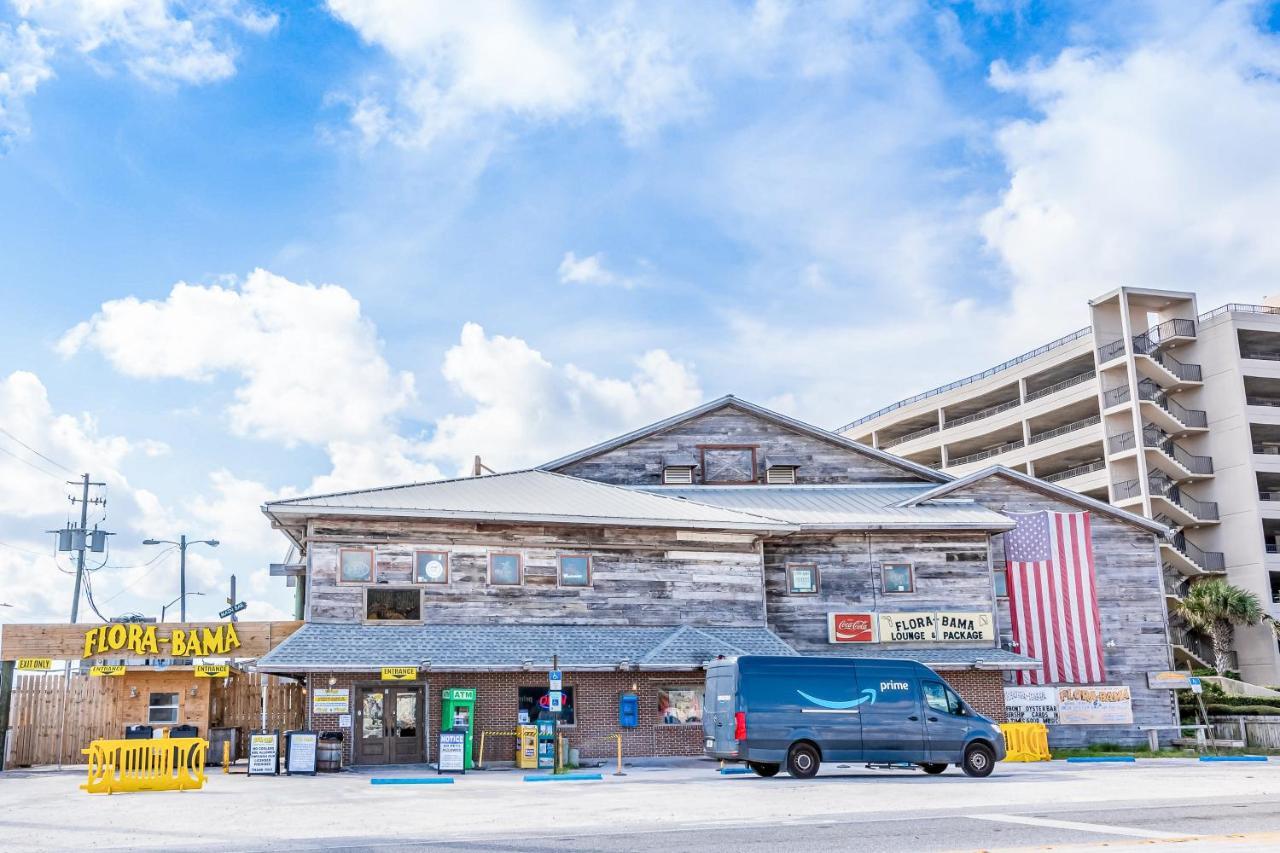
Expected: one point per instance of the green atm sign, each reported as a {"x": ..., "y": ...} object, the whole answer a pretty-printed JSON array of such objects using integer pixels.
[{"x": 459, "y": 694}]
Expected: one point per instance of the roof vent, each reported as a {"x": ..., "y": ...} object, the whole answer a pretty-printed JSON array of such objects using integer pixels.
[
  {"x": 780, "y": 470},
  {"x": 677, "y": 475}
]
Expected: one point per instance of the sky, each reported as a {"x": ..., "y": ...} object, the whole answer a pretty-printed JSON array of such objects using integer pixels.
[{"x": 252, "y": 250}]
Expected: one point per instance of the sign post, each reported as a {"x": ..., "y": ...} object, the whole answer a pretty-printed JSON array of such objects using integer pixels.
[
  {"x": 232, "y": 610},
  {"x": 264, "y": 753},
  {"x": 453, "y": 751},
  {"x": 300, "y": 753}
]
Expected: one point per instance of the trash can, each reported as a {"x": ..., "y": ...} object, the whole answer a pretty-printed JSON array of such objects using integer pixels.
[
  {"x": 184, "y": 731},
  {"x": 329, "y": 752},
  {"x": 138, "y": 732},
  {"x": 217, "y": 737}
]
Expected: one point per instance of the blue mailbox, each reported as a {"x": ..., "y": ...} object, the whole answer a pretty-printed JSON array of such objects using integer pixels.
[{"x": 628, "y": 710}]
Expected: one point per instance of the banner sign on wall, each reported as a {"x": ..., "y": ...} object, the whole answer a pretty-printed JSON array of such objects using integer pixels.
[
  {"x": 908, "y": 627},
  {"x": 34, "y": 664},
  {"x": 1031, "y": 704},
  {"x": 959, "y": 627},
  {"x": 851, "y": 627},
  {"x": 1172, "y": 680},
  {"x": 1084, "y": 706},
  {"x": 399, "y": 673},
  {"x": 324, "y": 701}
]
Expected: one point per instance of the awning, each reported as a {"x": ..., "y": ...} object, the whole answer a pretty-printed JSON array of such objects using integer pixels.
[{"x": 950, "y": 659}]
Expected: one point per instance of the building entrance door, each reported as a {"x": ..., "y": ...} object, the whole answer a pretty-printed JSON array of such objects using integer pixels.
[{"x": 390, "y": 725}]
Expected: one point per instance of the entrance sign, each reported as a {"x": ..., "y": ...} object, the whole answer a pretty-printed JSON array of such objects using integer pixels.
[
  {"x": 34, "y": 664},
  {"x": 146, "y": 640},
  {"x": 453, "y": 752},
  {"x": 965, "y": 627},
  {"x": 1173, "y": 680},
  {"x": 399, "y": 673},
  {"x": 851, "y": 627},
  {"x": 300, "y": 753},
  {"x": 264, "y": 749},
  {"x": 213, "y": 670},
  {"x": 325, "y": 701},
  {"x": 908, "y": 627},
  {"x": 1082, "y": 706},
  {"x": 1031, "y": 704},
  {"x": 106, "y": 670}
]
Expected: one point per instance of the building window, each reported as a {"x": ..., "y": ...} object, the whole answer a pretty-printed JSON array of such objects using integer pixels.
[
  {"x": 802, "y": 578},
  {"x": 534, "y": 700},
  {"x": 355, "y": 565},
  {"x": 162, "y": 708},
  {"x": 729, "y": 464},
  {"x": 431, "y": 566},
  {"x": 1001, "y": 578},
  {"x": 505, "y": 570},
  {"x": 575, "y": 571},
  {"x": 679, "y": 706},
  {"x": 386, "y": 604},
  {"x": 897, "y": 577}
]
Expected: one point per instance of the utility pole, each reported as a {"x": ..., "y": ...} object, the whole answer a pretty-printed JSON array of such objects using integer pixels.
[
  {"x": 182, "y": 544},
  {"x": 232, "y": 600},
  {"x": 82, "y": 536}
]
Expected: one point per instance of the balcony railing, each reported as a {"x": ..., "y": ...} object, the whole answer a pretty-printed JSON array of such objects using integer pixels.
[
  {"x": 1176, "y": 586},
  {"x": 1125, "y": 490},
  {"x": 1268, "y": 496},
  {"x": 1164, "y": 486},
  {"x": 1190, "y": 418},
  {"x": 1111, "y": 350},
  {"x": 1185, "y": 372},
  {"x": 1156, "y": 438},
  {"x": 1083, "y": 423},
  {"x": 1115, "y": 396},
  {"x": 1176, "y": 328},
  {"x": 1267, "y": 449},
  {"x": 1198, "y": 646},
  {"x": 985, "y": 454},
  {"x": 1238, "y": 308},
  {"x": 1059, "y": 386},
  {"x": 1260, "y": 356},
  {"x": 1255, "y": 400},
  {"x": 982, "y": 413},
  {"x": 903, "y": 439},
  {"x": 1078, "y": 471},
  {"x": 1209, "y": 561}
]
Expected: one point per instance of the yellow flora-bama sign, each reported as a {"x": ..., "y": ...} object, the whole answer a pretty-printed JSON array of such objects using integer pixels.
[
  {"x": 399, "y": 673},
  {"x": 212, "y": 670},
  {"x": 145, "y": 640},
  {"x": 34, "y": 664},
  {"x": 106, "y": 670}
]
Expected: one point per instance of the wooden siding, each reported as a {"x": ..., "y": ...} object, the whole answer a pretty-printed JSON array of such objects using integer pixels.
[
  {"x": 640, "y": 462},
  {"x": 638, "y": 577},
  {"x": 1130, "y": 605},
  {"x": 950, "y": 572}
]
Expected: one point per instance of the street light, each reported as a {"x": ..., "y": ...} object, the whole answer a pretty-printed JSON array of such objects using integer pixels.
[
  {"x": 175, "y": 601},
  {"x": 182, "y": 544}
]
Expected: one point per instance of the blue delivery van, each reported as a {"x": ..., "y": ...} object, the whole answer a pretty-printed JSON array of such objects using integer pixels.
[{"x": 797, "y": 712}]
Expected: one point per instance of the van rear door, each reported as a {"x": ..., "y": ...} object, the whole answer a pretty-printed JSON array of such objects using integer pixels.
[
  {"x": 892, "y": 724},
  {"x": 719, "y": 704}
]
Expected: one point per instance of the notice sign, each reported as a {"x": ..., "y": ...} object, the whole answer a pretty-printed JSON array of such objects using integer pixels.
[
  {"x": 399, "y": 673},
  {"x": 300, "y": 753},
  {"x": 34, "y": 664},
  {"x": 956, "y": 627},
  {"x": 1083, "y": 706},
  {"x": 908, "y": 627},
  {"x": 325, "y": 701},
  {"x": 264, "y": 748},
  {"x": 851, "y": 628},
  {"x": 1170, "y": 680},
  {"x": 453, "y": 752},
  {"x": 213, "y": 670},
  {"x": 1031, "y": 704},
  {"x": 105, "y": 670}
]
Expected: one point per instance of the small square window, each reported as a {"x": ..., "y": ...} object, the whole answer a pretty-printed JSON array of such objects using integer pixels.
[
  {"x": 355, "y": 565},
  {"x": 575, "y": 571},
  {"x": 897, "y": 577},
  {"x": 387, "y": 604},
  {"x": 802, "y": 578},
  {"x": 533, "y": 701},
  {"x": 679, "y": 706},
  {"x": 1001, "y": 578},
  {"x": 728, "y": 464},
  {"x": 162, "y": 708},
  {"x": 504, "y": 569},
  {"x": 431, "y": 566}
]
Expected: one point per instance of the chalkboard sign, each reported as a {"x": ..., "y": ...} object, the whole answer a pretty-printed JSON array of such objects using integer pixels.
[
  {"x": 264, "y": 752},
  {"x": 300, "y": 753},
  {"x": 453, "y": 752}
]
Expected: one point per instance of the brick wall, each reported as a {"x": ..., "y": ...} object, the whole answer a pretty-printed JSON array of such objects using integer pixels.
[
  {"x": 983, "y": 689},
  {"x": 595, "y": 700}
]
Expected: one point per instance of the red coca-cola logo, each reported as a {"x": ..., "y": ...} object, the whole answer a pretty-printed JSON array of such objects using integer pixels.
[{"x": 852, "y": 628}]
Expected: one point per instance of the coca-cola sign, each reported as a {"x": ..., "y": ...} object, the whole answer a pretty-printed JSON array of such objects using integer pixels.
[{"x": 851, "y": 627}]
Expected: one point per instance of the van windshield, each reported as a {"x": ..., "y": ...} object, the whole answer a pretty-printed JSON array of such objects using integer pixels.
[{"x": 941, "y": 698}]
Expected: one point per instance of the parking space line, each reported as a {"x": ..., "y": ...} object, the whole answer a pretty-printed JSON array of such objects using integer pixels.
[{"x": 1080, "y": 827}]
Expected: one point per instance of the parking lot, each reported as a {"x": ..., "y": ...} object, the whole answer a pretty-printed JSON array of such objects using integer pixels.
[{"x": 678, "y": 805}]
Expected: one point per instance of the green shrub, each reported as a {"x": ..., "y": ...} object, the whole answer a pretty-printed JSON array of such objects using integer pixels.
[{"x": 1242, "y": 709}]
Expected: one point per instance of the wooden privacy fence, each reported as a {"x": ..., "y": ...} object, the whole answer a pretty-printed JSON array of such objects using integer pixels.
[
  {"x": 237, "y": 703},
  {"x": 1259, "y": 731},
  {"x": 37, "y": 714}
]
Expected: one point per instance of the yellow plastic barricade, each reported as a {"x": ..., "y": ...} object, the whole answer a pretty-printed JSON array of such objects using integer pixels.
[
  {"x": 161, "y": 764},
  {"x": 1026, "y": 742}
]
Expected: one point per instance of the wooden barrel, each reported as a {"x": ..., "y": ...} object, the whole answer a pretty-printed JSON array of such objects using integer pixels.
[{"x": 329, "y": 756}]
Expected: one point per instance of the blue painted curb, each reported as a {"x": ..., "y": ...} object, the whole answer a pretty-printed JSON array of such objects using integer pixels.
[
  {"x": 413, "y": 780},
  {"x": 1233, "y": 758},
  {"x": 1102, "y": 759},
  {"x": 566, "y": 777},
  {"x": 734, "y": 771}
]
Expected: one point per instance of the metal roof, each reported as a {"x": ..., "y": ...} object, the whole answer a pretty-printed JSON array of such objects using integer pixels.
[
  {"x": 844, "y": 507},
  {"x": 922, "y": 471},
  {"x": 532, "y": 496},
  {"x": 337, "y": 647}
]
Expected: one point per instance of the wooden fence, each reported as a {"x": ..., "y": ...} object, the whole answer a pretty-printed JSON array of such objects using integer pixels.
[
  {"x": 37, "y": 715},
  {"x": 237, "y": 703},
  {"x": 1259, "y": 731}
]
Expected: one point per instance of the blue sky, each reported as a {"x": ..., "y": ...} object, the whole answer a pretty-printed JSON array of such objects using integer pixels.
[{"x": 411, "y": 232}]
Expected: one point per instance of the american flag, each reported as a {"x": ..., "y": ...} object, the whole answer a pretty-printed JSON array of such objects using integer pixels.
[{"x": 1052, "y": 598}]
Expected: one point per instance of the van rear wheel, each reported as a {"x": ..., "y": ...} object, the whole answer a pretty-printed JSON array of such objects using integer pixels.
[
  {"x": 979, "y": 761},
  {"x": 802, "y": 761},
  {"x": 765, "y": 770},
  {"x": 933, "y": 769}
]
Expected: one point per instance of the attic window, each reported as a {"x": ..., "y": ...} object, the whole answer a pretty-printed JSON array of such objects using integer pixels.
[
  {"x": 677, "y": 469},
  {"x": 780, "y": 470}
]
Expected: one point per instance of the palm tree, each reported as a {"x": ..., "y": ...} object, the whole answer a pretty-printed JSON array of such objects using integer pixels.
[{"x": 1216, "y": 607}]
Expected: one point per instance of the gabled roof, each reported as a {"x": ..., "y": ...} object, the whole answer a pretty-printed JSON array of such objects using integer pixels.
[
  {"x": 863, "y": 506},
  {"x": 524, "y": 496},
  {"x": 1039, "y": 485},
  {"x": 922, "y": 471}
]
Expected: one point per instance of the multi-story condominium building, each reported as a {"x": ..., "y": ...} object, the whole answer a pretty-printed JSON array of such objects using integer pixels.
[{"x": 1153, "y": 407}]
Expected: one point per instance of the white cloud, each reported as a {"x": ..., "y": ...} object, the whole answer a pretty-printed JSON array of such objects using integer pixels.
[
  {"x": 309, "y": 364},
  {"x": 1155, "y": 167},
  {"x": 589, "y": 270},
  {"x": 24, "y": 65}
]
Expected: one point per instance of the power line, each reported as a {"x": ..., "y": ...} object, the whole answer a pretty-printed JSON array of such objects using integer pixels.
[
  {"x": 23, "y": 550},
  {"x": 31, "y": 464},
  {"x": 36, "y": 452},
  {"x": 168, "y": 550},
  {"x": 134, "y": 582}
]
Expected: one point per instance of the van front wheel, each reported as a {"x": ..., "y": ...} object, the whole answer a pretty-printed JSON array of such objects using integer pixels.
[
  {"x": 802, "y": 761},
  {"x": 933, "y": 769},
  {"x": 978, "y": 761},
  {"x": 765, "y": 770}
]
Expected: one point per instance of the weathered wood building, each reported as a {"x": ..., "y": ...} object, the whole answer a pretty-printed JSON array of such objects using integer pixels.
[{"x": 725, "y": 530}]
